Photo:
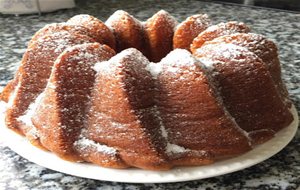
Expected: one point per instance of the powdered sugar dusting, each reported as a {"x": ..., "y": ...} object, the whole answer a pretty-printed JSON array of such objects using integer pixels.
[
  {"x": 53, "y": 28},
  {"x": 154, "y": 69},
  {"x": 26, "y": 118},
  {"x": 103, "y": 67},
  {"x": 130, "y": 54},
  {"x": 255, "y": 43},
  {"x": 200, "y": 21},
  {"x": 12, "y": 97},
  {"x": 61, "y": 25},
  {"x": 33, "y": 133},
  {"x": 3, "y": 107},
  {"x": 115, "y": 17},
  {"x": 218, "y": 30},
  {"x": 59, "y": 41},
  {"x": 79, "y": 19},
  {"x": 84, "y": 143},
  {"x": 169, "y": 18},
  {"x": 82, "y": 54},
  {"x": 227, "y": 28},
  {"x": 173, "y": 148},
  {"x": 120, "y": 16},
  {"x": 176, "y": 59},
  {"x": 179, "y": 57},
  {"x": 163, "y": 131},
  {"x": 212, "y": 54}
]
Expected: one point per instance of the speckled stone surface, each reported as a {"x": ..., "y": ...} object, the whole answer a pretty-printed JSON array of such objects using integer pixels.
[{"x": 282, "y": 171}]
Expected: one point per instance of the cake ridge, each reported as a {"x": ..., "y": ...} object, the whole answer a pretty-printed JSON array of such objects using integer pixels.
[
  {"x": 227, "y": 51},
  {"x": 251, "y": 67},
  {"x": 187, "y": 30},
  {"x": 170, "y": 148},
  {"x": 216, "y": 88},
  {"x": 263, "y": 48},
  {"x": 218, "y": 30},
  {"x": 188, "y": 69},
  {"x": 84, "y": 143}
]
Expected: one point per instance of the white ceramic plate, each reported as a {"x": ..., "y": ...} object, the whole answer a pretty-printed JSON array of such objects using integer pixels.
[{"x": 260, "y": 153}]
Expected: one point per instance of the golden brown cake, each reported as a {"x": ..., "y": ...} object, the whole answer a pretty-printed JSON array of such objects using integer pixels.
[
  {"x": 34, "y": 72},
  {"x": 218, "y": 30},
  {"x": 191, "y": 110},
  {"x": 100, "y": 32},
  {"x": 265, "y": 49},
  {"x": 49, "y": 29},
  {"x": 130, "y": 118},
  {"x": 189, "y": 29},
  {"x": 65, "y": 97},
  {"x": 159, "y": 31},
  {"x": 128, "y": 31},
  {"x": 61, "y": 27},
  {"x": 256, "y": 106},
  {"x": 86, "y": 91}
]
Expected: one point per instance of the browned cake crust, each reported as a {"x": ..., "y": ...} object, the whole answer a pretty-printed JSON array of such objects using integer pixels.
[
  {"x": 100, "y": 32},
  {"x": 128, "y": 31},
  {"x": 95, "y": 153},
  {"x": 189, "y": 29},
  {"x": 8, "y": 89},
  {"x": 192, "y": 112},
  {"x": 128, "y": 122},
  {"x": 61, "y": 106},
  {"x": 61, "y": 27},
  {"x": 261, "y": 136},
  {"x": 36, "y": 66},
  {"x": 159, "y": 32},
  {"x": 246, "y": 87},
  {"x": 75, "y": 97},
  {"x": 46, "y": 30},
  {"x": 215, "y": 31},
  {"x": 264, "y": 49}
]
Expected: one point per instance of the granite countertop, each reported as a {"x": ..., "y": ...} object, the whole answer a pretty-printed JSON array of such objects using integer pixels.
[{"x": 282, "y": 171}]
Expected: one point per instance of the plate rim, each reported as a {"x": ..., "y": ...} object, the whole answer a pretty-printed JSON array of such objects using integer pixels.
[{"x": 135, "y": 175}]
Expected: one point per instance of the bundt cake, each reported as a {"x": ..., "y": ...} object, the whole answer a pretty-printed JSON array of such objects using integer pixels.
[{"x": 151, "y": 95}]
